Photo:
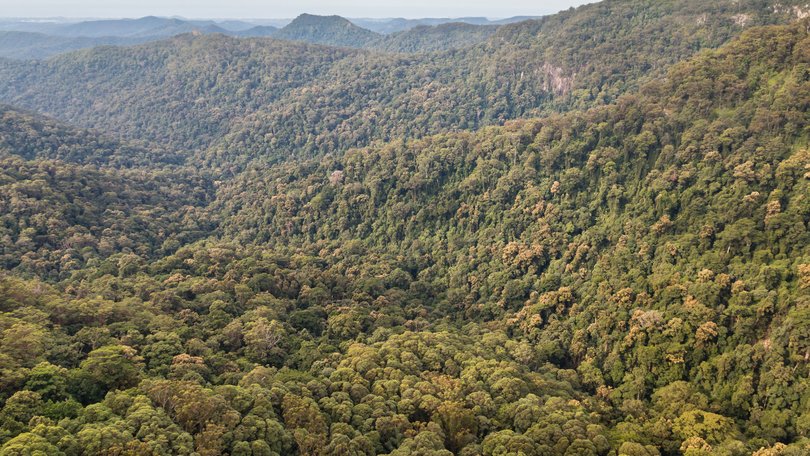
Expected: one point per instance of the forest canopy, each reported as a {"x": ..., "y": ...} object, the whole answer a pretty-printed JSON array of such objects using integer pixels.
[{"x": 258, "y": 247}]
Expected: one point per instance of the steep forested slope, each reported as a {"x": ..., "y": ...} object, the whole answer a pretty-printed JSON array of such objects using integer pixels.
[
  {"x": 57, "y": 217},
  {"x": 35, "y": 137},
  {"x": 59, "y": 210},
  {"x": 644, "y": 244},
  {"x": 630, "y": 279},
  {"x": 183, "y": 92},
  {"x": 275, "y": 99},
  {"x": 578, "y": 58}
]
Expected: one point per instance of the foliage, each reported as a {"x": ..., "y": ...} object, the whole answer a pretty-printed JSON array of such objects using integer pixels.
[
  {"x": 627, "y": 279},
  {"x": 229, "y": 101}
]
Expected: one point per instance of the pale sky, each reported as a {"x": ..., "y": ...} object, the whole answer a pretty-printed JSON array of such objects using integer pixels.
[{"x": 259, "y": 9}]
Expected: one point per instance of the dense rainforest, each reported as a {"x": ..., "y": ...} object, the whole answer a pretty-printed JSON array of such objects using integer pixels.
[
  {"x": 587, "y": 235},
  {"x": 230, "y": 101}
]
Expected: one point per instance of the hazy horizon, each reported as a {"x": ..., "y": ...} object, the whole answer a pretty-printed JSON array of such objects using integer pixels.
[{"x": 258, "y": 10}]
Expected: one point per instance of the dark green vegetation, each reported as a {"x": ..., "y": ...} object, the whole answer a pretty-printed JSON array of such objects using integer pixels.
[
  {"x": 630, "y": 276},
  {"x": 455, "y": 35},
  {"x": 31, "y": 137},
  {"x": 234, "y": 100},
  {"x": 60, "y": 211}
]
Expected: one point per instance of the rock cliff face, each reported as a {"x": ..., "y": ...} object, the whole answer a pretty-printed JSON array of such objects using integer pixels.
[
  {"x": 799, "y": 11},
  {"x": 556, "y": 80},
  {"x": 741, "y": 19}
]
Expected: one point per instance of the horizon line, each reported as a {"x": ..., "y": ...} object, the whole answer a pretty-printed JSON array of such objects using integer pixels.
[{"x": 88, "y": 18}]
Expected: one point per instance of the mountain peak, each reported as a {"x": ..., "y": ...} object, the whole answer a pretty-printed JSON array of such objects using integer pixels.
[
  {"x": 328, "y": 30},
  {"x": 308, "y": 16}
]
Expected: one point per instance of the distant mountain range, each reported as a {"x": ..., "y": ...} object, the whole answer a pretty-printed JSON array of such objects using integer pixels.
[
  {"x": 36, "y": 40},
  {"x": 149, "y": 26},
  {"x": 28, "y": 45},
  {"x": 387, "y": 26},
  {"x": 423, "y": 38},
  {"x": 257, "y": 31},
  {"x": 21, "y": 39}
]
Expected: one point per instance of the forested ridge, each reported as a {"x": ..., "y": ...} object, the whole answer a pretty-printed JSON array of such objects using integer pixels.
[
  {"x": 33, "y": 136},
  {"x": 423, "y": 38},
  {"x": 234, "y": 100},
  {"x": 22, "y": 45},
  {"x": 230, "y": 258}
]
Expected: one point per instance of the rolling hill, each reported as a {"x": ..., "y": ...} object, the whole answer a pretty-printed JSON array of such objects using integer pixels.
[
  {"x": 32, "y": 137},
  {"x": 327, "y": 30},
  {"x": 395, "y": 25},
  {"x": 149, "y": 26},
  {"x": 51, "y": 39},
  {"x": 32, "y": 45},
  {"x": 628, "y": 279},
  {"x": 424, "y": 38},
  {"x": 69, "y": 196},
  {"x": 257, "y": 31},
  {"x": 274, "y": 99}
]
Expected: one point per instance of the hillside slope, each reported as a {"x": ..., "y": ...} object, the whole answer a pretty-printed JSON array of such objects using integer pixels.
[
  {"x": 160, "y": 80},
  {"x": 57, "y": 217},
  {"x": 70, "y": 196},
  {"x": 257, "y": 31},
  {"x": 658, "y": 241},
  {"x": 632, "y": 279},
  {"x": 274, "y": 99},
  {"x": 442, "y": 37},
  {"x": 35, "y": 137}
]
